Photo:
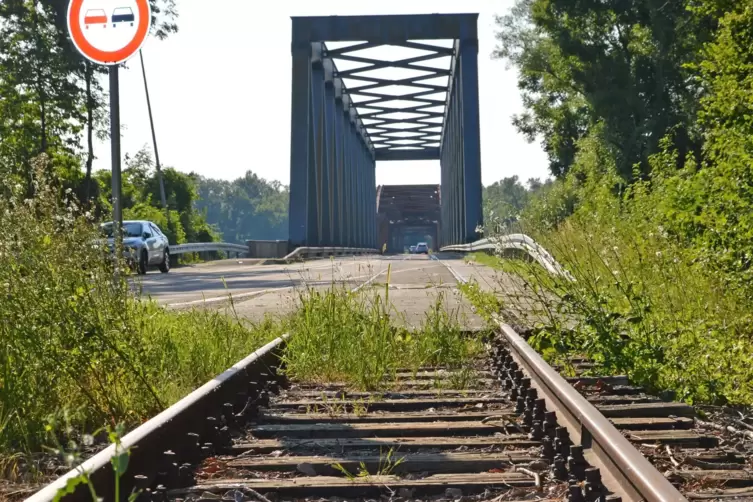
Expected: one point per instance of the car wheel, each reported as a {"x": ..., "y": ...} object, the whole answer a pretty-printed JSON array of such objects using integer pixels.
[
  {"x": 143, "y": 261},
  {"x": 165, "y": 265}
]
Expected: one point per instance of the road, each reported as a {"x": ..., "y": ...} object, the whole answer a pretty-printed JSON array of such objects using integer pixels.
[{"x": 416, "y": 284}]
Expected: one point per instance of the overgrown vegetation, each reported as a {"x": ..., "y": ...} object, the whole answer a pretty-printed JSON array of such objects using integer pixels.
[
  {"x": 75, "y": 340},
  {"x": 645, "y": 113},
  {"x": 348, "y": 337},
  {"x": 78, "y": 346}
]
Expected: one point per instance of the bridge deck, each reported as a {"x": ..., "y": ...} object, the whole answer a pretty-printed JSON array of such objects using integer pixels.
[{"x": 416, "y": 284}]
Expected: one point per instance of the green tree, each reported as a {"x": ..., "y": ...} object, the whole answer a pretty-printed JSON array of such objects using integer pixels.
[
  {"x": 140, "y": 196},
  {"x": 40, "y": 110},
  {"x": 622, "y": 64},
  {"x": 504, "y": 199},
  {"x": 246, "y": 208},
  {"x": 50, "y": 94}
]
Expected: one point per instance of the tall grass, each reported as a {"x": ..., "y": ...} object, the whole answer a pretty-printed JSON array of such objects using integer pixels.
[
  {"x": 343, "y": 336},
  {"x": 79, "y": 348},
  {"x": 640, "y": 305},
  {"x": 76, "y": 341}
]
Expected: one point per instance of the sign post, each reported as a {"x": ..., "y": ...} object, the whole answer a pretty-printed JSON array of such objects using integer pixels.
[{"x": 108, "y": 33}]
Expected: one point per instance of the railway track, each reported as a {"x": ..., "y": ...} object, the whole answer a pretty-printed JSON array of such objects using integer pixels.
[
  {"x": 509, "y": 429},
  {"x": 704, "y": 461}
]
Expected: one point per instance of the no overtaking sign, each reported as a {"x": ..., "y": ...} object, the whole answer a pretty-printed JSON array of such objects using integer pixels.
[{"x": 108, "y": 32}]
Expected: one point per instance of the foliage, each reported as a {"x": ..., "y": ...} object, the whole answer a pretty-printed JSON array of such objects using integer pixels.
[
  {"x": 74, "y": 337},
  {"x": 246, "y": 208},
  {"x": 650, "y": 298},
  {"x": 41, "y": 107},
  {"x": 504, "y": 199},
  {"x": 141, "y": 199},
  {"x": 51, "y": 94},
  {"x": 621, "y": 64},
  {"x": 662, "y": 255},
  {"x": 343, "y": 336}
]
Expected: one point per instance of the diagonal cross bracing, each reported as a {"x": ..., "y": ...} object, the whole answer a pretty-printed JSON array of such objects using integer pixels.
[
  {"x": 352, "y": 106},
  {"x": 403, "y": 115}
]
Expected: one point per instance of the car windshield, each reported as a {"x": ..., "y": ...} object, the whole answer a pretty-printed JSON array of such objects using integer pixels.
[{"x": 130, "y": 229}]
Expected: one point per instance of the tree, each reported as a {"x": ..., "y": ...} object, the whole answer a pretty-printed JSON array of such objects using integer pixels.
[
  {"x": 622, "y": 64},
  {"x": 48, "y": 92},
  {"x": 140, "y": 196},
  {"x": 246, "y": 208},
  {"x": 40, "y": 111}
]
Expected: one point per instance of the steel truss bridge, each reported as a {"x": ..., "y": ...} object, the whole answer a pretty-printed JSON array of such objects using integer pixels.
[{"x": 349, "y": 111}]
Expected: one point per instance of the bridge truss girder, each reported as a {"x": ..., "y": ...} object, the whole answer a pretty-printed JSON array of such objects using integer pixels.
[{"x": 337, "y": 139}]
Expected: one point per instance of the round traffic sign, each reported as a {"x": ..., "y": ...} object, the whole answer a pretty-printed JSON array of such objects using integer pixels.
[{"x": 108, "y": 31}]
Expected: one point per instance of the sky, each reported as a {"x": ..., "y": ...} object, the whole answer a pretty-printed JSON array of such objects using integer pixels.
[{"x": 220, "y": 92}]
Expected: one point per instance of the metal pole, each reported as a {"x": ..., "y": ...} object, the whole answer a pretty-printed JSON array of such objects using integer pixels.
[
  {"x": 117, "y": 209},
  {"x": 154, "y": 139}
]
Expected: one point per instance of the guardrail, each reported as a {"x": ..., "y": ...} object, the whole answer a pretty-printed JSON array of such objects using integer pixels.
[
  {"x": 298, "y": 253},
  {"x": 309, "y": 252},
  {"x": 200, "y": 247},
  {"x": 514, "y": 241}
]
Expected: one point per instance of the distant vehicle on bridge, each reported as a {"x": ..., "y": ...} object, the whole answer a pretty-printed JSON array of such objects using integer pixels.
[
  {"x": 95, "y": 16},
  {"x": 144, "y": 245},
  {"x": 422, "y": 248},
  {"x": 123, "y": 15}
]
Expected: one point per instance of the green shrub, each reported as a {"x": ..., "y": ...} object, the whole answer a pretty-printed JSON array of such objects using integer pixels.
[
  {"x": 659, "y": 305},
  {"x": 76, "y": 340}
]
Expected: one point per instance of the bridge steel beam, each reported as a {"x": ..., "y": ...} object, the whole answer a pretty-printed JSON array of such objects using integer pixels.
[
  {"x": 460, "y": 150},
  {"x": 336, "y": 140},
  {"x": 332, "y": 160}
]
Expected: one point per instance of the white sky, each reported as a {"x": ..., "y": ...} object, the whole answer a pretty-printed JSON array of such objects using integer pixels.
[{"x": 220, "y": 92}]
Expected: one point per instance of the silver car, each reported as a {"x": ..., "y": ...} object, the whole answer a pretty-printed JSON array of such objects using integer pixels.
[{"x": 144, "y": 245}]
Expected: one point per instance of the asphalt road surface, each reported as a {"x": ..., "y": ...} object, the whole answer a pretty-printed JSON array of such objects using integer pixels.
[{"x": 416, "y": 282}]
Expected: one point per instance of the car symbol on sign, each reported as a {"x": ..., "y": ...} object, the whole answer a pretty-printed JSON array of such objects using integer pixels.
[
  {"x": 95, "y": 16},
  {"x": 122, "y": 15}
]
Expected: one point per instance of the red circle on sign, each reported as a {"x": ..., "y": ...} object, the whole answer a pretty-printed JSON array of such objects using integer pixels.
[{"x": 108, "y": 57}]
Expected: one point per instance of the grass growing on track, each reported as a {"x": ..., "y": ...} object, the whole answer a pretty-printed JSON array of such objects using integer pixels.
[
  {"x": 78, "y": 348},
  {"x": 349, "y": 337}
]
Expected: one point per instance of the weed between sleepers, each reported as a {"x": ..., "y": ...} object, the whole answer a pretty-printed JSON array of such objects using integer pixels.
[{"x": 386, "y": 466}]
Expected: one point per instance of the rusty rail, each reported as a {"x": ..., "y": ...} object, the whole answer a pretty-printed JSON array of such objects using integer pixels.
[
  {"x": 174, "y": 431},
  {"x": 624, "y": 469}
]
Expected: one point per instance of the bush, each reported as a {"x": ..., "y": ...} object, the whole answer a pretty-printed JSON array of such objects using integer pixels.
[
  {"x": 76, "y": 340},
  {"x": 651, "y": 298}
]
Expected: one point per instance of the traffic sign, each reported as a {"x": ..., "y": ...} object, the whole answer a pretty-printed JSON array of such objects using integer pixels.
[{"x": 108, "y": 32}]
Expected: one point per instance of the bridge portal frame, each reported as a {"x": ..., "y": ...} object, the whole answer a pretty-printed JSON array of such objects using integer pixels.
[{"x": 333, "y": 156}]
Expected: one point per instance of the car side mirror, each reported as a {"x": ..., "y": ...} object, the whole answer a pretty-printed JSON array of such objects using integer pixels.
[{"x": 146, "y": 235}]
